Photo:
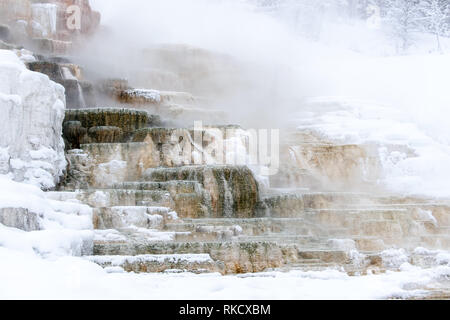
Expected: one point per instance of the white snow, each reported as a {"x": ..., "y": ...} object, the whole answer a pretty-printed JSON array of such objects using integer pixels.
[
  {"x": 108, "y": 235},
  {"x": 154, "y": 235},
  {"x": 394, "y": 258},
  {"x": 143, "y": 217},
  {"x": 67, "y": 227},
  {"x": 75, "y": 278},
  {"x": 153, "y": 96},
  {"x": 31, "y": 143}
]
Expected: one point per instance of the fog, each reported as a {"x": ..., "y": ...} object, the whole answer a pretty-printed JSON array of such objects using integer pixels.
[
  {"x": 257, "y": 66},
  {"x": 253, "y": 65}
]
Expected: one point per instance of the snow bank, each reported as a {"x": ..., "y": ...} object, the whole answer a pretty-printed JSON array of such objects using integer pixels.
[
  {"x": 31, "y": 144},
  {"x": 65, "y": 228},
  {"x": 76, "y": 278}
]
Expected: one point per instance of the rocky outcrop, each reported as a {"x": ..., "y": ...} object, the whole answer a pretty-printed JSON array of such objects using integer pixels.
[
  {"x": 126, "y": 119},
  {"x": 106, "y": 142},
  {"x": 85, "y": 126},
  {"x": 175, "y": 147},
  {"x": 31, "y": 144},
  {"x": 233, "y": 191}
]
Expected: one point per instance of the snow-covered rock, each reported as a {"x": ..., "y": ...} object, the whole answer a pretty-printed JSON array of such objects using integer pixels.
[
  {"x": 32, "y": 108},
  {"x": 32, "y": 222}
]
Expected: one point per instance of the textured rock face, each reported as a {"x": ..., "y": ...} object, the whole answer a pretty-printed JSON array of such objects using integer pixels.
[
  {"x": 126, "y": 119},
  {"x": 177, "y": 147},
  {"x": 31, "y": 144},
  {"x": 235, "y": 257},
  {"x": 108, "y": 158},
  {"x": 197, "y": 191},
  {"x": 103, "y": 125},
  {"x": 105, "y": 140},
  {"x": 124, "y": 217},
  {"x": 79, "y": 173},
  {"x": 233, "y": 190},
  {"x": 51, "y": 69}
]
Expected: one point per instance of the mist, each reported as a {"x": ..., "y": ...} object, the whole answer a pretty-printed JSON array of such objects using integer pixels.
[
  {"x": 257, "y": 66},
  {"x": 246, "y": 62}
]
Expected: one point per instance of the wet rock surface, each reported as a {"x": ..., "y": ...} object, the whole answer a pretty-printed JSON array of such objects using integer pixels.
[
  {"x": 99, "y": 125},
  {"x": 125, "y": 119},
  {"x": 233, "y": 190}
]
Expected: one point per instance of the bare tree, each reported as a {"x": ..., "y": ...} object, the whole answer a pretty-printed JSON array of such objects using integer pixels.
[
  {"x": 402, "y": 19},
  {"x": 436, "y": 15}
]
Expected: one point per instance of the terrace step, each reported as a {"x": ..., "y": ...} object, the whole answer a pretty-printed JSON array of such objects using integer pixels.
[
  {"x": 238, "y": 253},
  {"x": 179, "y": 186},
  {"x": 193, "y": 263},
  {"x": 125, "y": 197},
  {"x": 238, "y": 257},
  {"x": 137, "y": 216},
  {"x": 250, "y": 227}
]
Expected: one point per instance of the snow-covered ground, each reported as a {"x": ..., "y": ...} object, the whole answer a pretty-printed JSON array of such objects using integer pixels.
[
  {"x": 62, "y": 228},
  {"x": 27, "y": 276}
]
